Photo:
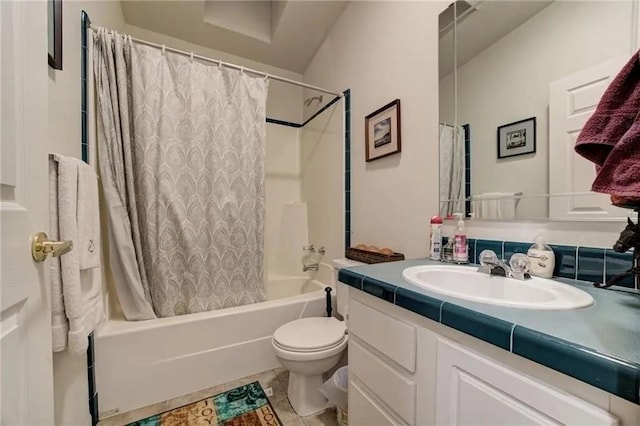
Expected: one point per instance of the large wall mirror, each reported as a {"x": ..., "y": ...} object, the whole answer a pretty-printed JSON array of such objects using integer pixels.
[{"x": 518, "y": 79}]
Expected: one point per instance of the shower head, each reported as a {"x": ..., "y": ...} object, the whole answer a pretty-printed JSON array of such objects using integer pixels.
[{"x": 310, "y": 100}]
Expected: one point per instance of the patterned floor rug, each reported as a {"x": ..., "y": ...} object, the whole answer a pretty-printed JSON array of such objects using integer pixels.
[{"x": 243, "y": 406}]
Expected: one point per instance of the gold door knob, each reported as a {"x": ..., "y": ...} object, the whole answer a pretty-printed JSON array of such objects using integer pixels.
[{"x": 41, "y": 247}]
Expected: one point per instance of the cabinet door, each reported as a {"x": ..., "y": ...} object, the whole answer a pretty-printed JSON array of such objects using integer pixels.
[
  {"x": 363, "y": 410},
  {"x": 475, "y": 390}
]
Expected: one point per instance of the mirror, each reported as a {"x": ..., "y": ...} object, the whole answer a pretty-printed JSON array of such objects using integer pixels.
[{"x": 526, "y": 76}]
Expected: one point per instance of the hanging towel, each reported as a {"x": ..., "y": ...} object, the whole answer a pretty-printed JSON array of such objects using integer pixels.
[
  {"x": 507, "y": 205},
  {"x": 611, "y": 136},
  {"x": 76, "y": 292},
  {"x": 88, "y": 218},
  {"x": 495, "y": 205}
]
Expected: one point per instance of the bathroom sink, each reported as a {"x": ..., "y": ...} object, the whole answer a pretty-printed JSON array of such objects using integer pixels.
[{"x": 465, "y": 282}]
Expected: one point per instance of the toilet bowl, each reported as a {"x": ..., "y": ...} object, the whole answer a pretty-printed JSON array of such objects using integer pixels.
[{"x": 308, "y": 347}]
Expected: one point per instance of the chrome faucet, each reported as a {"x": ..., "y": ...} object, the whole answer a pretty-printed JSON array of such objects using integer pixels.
[{"x": 517, "y": 268}]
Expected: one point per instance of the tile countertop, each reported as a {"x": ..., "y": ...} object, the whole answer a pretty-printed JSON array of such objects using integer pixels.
[{"x": 599, "y": 345}]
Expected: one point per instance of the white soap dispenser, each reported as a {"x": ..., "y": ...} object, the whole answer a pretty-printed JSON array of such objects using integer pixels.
[
  {"x": 460, "y": 250},
  {"x": 542, "y": 260}
]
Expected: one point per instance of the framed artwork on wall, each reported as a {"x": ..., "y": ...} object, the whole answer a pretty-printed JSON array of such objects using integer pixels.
[
  {"x": 517, "y": 138},
  {"x": 54, "y": 27},
  {"x": 382, "y": 131}
]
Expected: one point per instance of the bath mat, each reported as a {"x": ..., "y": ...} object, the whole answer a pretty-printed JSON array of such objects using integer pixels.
[{"x": 243, "y": 406}]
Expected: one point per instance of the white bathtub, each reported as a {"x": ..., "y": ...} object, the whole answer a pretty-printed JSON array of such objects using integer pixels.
[{"x": 139, "y": 363}]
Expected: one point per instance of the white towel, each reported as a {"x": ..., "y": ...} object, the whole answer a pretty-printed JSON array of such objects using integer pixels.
[
  {"x": 507, "y": 206},
  {"x": 88, "y": 218},
  {"x": 76, "y": 295},
  {"x": 494, "y": 205},
  {"x": 490, "y": 205}
]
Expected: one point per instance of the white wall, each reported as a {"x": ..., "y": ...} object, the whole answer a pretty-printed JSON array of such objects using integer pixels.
[
  {"x": 509, "y": 81},
  {"x": 383, "y": 51}
]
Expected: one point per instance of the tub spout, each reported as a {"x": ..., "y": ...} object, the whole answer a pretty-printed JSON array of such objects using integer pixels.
[{"x": 310, "y": 267}]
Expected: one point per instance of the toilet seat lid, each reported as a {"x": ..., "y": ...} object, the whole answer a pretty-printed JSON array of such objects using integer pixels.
[{"x": 310, "y": 334}]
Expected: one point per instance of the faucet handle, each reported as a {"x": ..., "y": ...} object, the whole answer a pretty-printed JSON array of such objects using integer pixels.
[
  {"x": 310, "y": 247},
  {"x": 519, "y": 262},
  {"x": 320, "y": 250},
  {"x": 488, "y": 258}
]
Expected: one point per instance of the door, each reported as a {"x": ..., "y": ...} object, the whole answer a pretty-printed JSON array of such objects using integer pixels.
[
  {"x": 26, "y": 376},
  {"x": 474, "y": 390},
  {"x": 572, "y": 100}
]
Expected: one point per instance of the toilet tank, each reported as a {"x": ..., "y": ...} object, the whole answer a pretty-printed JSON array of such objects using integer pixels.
[{"x": 342, "y": 290}]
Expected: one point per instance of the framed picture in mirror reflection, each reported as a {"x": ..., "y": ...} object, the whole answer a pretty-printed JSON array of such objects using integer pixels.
[
  {"x": 517, "y": 138},
  {"x": 382, "y": 131}
]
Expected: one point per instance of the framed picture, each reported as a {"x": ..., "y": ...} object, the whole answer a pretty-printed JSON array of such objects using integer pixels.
[
  {"x": 54, "y": 12},
  {"x": 517, "y": 138},
  {"x": 382, "y": 131}
]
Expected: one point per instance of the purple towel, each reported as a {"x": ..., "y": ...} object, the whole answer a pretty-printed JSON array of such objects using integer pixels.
[{"x": 611, "y": 136}]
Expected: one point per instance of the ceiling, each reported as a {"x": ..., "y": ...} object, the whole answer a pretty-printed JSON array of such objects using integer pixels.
[
  {"x": 486, "y": 23},
  {"x": 284, "y": 34}
]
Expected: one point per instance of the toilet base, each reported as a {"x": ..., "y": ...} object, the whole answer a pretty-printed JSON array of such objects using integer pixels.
[{"x": 304, "y": 394}]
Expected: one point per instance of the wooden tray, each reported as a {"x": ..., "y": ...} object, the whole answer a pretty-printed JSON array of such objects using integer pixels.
[{"x": 372, "y": 257}]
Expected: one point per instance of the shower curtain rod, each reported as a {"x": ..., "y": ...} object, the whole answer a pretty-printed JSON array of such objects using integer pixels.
[{"x": 229, "y": 65}]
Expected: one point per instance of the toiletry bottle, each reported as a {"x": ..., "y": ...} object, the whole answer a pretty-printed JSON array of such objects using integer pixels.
[
  {"x": 447, "y": 251},
  {"x": 542, "y": 260},
  {"x": 460, "y": 251},
  {"x": 435, "y": 238}
]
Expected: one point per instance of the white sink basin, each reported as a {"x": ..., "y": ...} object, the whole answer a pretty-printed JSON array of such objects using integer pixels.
[{"x": 464, "y": 282}]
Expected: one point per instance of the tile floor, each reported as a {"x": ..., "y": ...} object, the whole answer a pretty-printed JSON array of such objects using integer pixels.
[{"x": 274, "y": 379}]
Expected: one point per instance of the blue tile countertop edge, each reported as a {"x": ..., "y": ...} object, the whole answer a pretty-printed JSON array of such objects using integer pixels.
[{"x": 609, "y": 372}]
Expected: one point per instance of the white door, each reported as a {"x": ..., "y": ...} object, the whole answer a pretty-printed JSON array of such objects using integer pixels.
[
  {"x": 572, "y": 100},
  {"x": 26, "y": 375},
  {"x": 474, "y": 390}
]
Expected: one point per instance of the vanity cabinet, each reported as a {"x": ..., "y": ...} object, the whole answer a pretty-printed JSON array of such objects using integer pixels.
[
  {"x": 473, "y": 389},
  {"x": 405, "y": 369}
]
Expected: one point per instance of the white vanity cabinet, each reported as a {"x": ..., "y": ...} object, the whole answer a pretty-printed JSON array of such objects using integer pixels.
[{"x": 408, "y": 370}]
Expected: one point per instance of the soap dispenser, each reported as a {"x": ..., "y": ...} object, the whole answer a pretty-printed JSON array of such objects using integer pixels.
[
  {"x": 542, "y": 260},
  {"x": 460, "y": 250}
]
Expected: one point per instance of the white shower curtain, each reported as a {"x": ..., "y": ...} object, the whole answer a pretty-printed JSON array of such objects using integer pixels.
[
  {"x": 451, "y": 170},
  {"x": 181, "y": 151}
]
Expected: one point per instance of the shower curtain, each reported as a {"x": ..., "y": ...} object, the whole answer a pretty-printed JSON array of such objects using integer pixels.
[
  {"x": 451, "y": 170},
  {"x": 181, "y": 158}
]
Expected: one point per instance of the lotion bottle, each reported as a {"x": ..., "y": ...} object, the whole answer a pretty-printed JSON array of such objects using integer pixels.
[
  {"x": 460, "y": 250},
  {"x": 542, "y": 260}
]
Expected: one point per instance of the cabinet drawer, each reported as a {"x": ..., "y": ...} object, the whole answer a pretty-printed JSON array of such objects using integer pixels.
[
  {"x": 394, "y": 338},
  {"x": 363, "y": 410},
  {"x": 391, "y": 386}
]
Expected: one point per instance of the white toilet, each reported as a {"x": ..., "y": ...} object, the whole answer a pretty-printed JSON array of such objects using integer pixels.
[{"x": 309, "y": 347}]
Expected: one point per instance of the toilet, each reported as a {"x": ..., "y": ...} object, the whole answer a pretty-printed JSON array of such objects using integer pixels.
[{"x": 309, "y": 347}]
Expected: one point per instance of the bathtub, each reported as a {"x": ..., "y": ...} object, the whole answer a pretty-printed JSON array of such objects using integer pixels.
[{"x": 139, "y": 363}]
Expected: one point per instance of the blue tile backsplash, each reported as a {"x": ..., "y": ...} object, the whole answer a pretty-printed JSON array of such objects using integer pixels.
[
  {"x": 583, "y": 263},
  {"x": 616, "y": 263},
  {"x": 590, "y": 264}
]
